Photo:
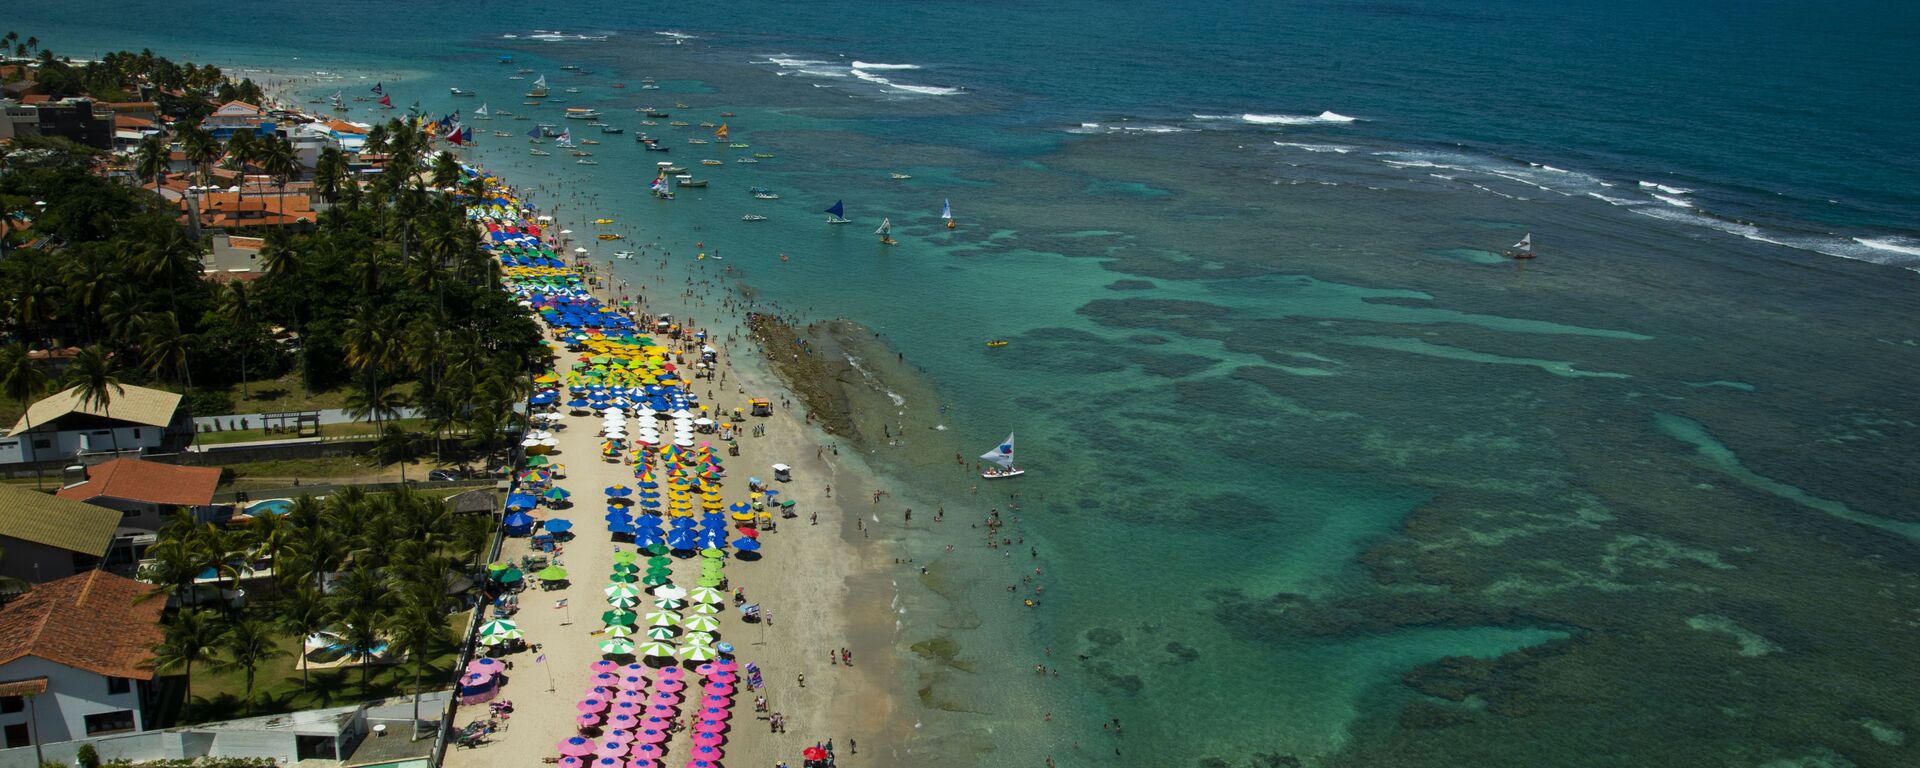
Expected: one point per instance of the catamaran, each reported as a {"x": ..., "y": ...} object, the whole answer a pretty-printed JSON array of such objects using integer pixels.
[
  {"x": 946, "y": 212},
  {"x": 1522, "y": 249},
  {"x": 837, "y": 214},
  {"x": 885, "y": 230},
  {"x": 539, "y": 88},
  {"x": 1002, "y": 457}
]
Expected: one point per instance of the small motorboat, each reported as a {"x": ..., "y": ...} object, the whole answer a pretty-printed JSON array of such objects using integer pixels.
[
  {"x": 899, "y": 176},
  {"x": 739, "y": 145},
  {"x": 611, "y": 129},
  {"x": 726, "y": 114},
  {"x": 671, "y": 169},
  {"x": 746, "y": 161},
  {"x": 539, "y": 152},
  {"x": 571, "y": 67},
  {"x": 753, "y": 217},
  {"x": 589, "y": 141},
  {"x": 573, "y": 90},
  {"x": 648, "y": 122},
  {"x": 997, "y": 343},
  {"x": 460, "y": 91},
  {"x": 689, "y": 181},
  {"x": 503, "y": 134},
  {"x": 503, "y": 112},
  {"x": 655, "y": 147},
  {"x": 711, "y": 162},
  {"x": 610, "y": 236},
  {"x": 764, "y": 155},
  {"x": 655, "y": 113},
  {"x": 582, "y": 153},
  {"x": 619, "y": 85},
  {"x": 708, "y": 125},
  {"x": 586, "y": 161}
]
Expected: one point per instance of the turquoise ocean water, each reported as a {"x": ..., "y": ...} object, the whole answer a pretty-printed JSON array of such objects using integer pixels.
[{"x": 1318, "y": 477}]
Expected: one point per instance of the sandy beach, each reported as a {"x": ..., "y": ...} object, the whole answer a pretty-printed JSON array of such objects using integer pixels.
[{"x": 823, "y": 585}]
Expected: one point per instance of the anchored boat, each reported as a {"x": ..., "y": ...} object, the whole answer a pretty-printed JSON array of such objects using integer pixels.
[
  {"x": 1001, "y": 456},
  {"x": 837, "y": 214}
]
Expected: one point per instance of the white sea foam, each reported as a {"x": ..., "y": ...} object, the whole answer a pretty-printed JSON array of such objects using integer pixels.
[
  {"x": 820, "y": 73},
  {"x": 1673, "y": 201},
  {"x": 1619, "y": 201},
  {"x": 1324, "y": 117},
  {"x": 1664, "y": 188},
  {"x": 929, "y": 90},
  {"x": 787, "y": 61},
  {"x": 1336, "y": 148},
  {"x": 677, "y": 35},
  {"x": 1903, "y": 246},
  {"x": 871, "y": 65}
]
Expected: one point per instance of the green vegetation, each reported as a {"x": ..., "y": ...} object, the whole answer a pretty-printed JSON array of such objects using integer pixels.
[
  {"x": 384, "y": 572},
  {"x": 181, "y": 89}
]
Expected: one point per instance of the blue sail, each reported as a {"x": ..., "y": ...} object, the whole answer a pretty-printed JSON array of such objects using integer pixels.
[
  {"x": 838, "y": 211},
  {"x": 535, "y": 133}
]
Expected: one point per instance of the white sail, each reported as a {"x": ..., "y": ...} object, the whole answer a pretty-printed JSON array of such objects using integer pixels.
[
  {"x": 886, "y": 226},
  {"x": 1526, "y": 243},
  {"x": 1001, "y": 454},
  {"x": 946, "y": 210},
  {"x": 482, "y": 111},
  {"x": 540, "y": 83}
]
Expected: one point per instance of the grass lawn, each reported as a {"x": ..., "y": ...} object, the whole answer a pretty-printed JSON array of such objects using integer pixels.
[
  {"x": 281, "y": 473},
  {"x": 277, "y": 687}
]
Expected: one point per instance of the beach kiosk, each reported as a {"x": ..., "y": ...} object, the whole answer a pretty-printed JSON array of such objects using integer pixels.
[
  {"x": 760, "y": 406},
  {"x": 783, "y": 473}
]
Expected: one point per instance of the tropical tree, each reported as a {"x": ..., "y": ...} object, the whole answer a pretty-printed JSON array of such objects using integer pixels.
[
  {"x": 21, "y": 378},
  {"x": 151, "y": 159},
  {"x": 278, "y": 159},
  {"x": 97, "y": 380},
  {"x": 302, "y": 612},
  {"x": 418, "y": 631},
  {"x": 330, "y": 173},
  {"x": 236, "y": 305},
  {"x": 166, "y": 347},
  {"x": 193, "y": 637},
  {"x": 248, "y": 644}
]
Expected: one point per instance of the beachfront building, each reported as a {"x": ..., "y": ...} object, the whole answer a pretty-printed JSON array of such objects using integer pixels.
[
  {"x": 78, "y": 119},
  {"x": 236, "y": 116},
  {"x": 136, "y": 420},
  {"x": 145, "y": 493},
  {"x": 47, "y": 538},
  {"x": 73, "y": 659}
]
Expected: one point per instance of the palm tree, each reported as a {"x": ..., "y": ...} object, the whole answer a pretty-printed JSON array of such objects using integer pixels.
[
  {"x": 330, "y": 173},
  {"x": 302, "y": 612},
  {"x": 21, "y": 378},
  {"x": 277, "y": 158},
  {"x": 151, "y": 159},
  {"x": 446, "y": 170},
  {"x": 192, "y": 637},
  {"x": 236, "y": 305},
  {"x": 173, "y": 565},
  {"x": 419, "y": 632},
  {"x": 166, "y": 347},
  {"x": 93, "y": 373},
  {"x": 248, "y": 644}
]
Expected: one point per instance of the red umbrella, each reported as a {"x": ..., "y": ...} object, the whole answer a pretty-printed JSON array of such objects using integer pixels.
[
  {"x": 813, "y": 753},
  {"x": 751, "y": 533}
]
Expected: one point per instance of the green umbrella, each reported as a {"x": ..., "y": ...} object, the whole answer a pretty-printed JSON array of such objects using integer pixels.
[
  {"x": 704, "y": 609},
  {"x": 654, "y": 580},
  {"x": 618, "y": 630},
  {"x": 712, "y": 566},
  {"x": 616, "y": 645},
  {"x": 617, "y": 617},
  {"x": 657, "y": 549},
  {"x": 709, "y": 581},
  {"x": 706, "y": 595},
  {"x": 552, "y": 573},
  {"x": 622, "y": 578},
  {"x": 697, "y": 638},
  {"x": 511, "y": 575},
  {"x": 656, "y": 648},
  {"x": 625, "y": 568},
  {"x": 668, "y": 604},
  {"x": 501, "y": 628},
  {"x": 660, "y": 633},
  {"x": 659, "y": 561},
  {"x": 491, "y": 640},
  {"x": 698, "y": 653},
  {"x": 537, "y": 461},
  {"x": 710, "y": 552},
  {"x": 624, "y": 558},
  {"x": 497, "y": 567},
  {"x": 622, "y": 590},
  {"x": 699, "y": 623},
  {"x": 663, "y": 618},
  {"x": 623, "y": 602}
]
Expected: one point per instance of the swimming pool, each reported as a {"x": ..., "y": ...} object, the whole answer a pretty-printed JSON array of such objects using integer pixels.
[{"x": 269, "y": 507}]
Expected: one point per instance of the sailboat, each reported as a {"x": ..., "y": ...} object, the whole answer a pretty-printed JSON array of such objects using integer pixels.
[
  {"x": 946, "y": 212},
  {"x": 539, "y": 88},
  {"x": 721, "y": 134},
  {"x": 1002, "y": 457},
  {"x": 481, "y": 113},
  {"x": 837, "y": 214},
  {"x": 1522, "y": 249},
  {"x": 886, "y": 227}
]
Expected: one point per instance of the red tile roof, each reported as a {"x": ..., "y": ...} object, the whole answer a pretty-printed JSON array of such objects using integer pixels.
[
  {"x": 93, "y": 621},
  {"x": 147, "y": 481}
]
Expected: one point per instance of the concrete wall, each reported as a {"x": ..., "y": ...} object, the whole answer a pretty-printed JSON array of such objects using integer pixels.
[
  {"x": 275, "y": 737},
  {"x": 68, "y": 443},
  {"x": 71, "y": 695}
]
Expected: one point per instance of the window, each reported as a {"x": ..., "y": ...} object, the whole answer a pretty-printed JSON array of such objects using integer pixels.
[
  {"x": 136, "y": 433},
  {"x": 118, "y": 685},
  {"x": 110, "y": 722},
  {"x": 17, "y": 736},
  {"x": 41, "y": 445},
  {"x": 12, "y": 704}
]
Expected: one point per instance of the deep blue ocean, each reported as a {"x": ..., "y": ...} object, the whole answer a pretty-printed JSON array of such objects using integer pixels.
[{"x": 1318, "y": 476}]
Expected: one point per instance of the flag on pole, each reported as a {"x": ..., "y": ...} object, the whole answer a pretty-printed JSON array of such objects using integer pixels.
[{"x": 561, "y": 603}]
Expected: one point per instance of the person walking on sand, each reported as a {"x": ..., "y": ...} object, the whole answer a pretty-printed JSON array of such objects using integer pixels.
[{"x": 803, "y": 679}]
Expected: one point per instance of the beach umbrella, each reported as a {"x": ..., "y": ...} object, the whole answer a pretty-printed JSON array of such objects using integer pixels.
[
  {"x": 537, "y": 461},
  {"x": 623, "y": 602},
  {"x": 552, "y": 573},
  {"x": 660, "y": 633},
  {"x": 747, "y": 545},
  {"x": 656, "y": 649},
  {"x": 698, "y": 653},
  {"x": 709, "y": 580},
  {"x": 625, "y": 568},
  {"x": 699, "y": 623},
  {"x": 624, "y": 558},
  {"x": 623, "y": 578},
  {"x": 663, "y": 618},
  {"x": 616, "y": 645},
  {"x": 617, "y": 617},
  {"x": 704, "y": 609},
  {"x": 502, "y": 629},
  {"x": 706, "y": 595},
  {"x": 670, "y": 593},
  {"x": 710, "y": 552},
  {"x": 659, "y": 562},
  {"x": 556, "y": 494},
  {"x": 622, "y": 590},
  {"x": 559, "y": 525},
  {"x": 654, "y": 580},
  {"x": 580, "y": 746},
  {"x": 619, "y": 491},
  {"x": 697, "y": 638},
  {"x": 618, "y": 630},
  {"x": 667, "y": 605}
]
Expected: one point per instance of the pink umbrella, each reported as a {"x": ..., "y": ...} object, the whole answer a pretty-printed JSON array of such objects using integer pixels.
[
  {"x": 647, "y": 752},
  {"x": 660, "y": 711},
  {"x": 669, "y": 686},
  {"x": 621, "y": 735},
  {"x": 623, "y": 722},
  {"x": 633, "y": 682},
  {"x": 486, "y": 666},
  {"x": 602, "y": 666},
  {"x": 635, "y": 668},
  {"x": 606, "y": 679},
  {"x": 597, "y": 692},
  {"x": 604, "y": 748},
  {"x": 642, "y": 763},
  {"x": 665, "y": 699},
  {"x": 649, "y": 736},
  {"x": 709, "y": 754},
  {"x": 708, "y": 739},
  {"x": 715, "y": 713},
  {"x": 588, "y": 720},
  {"x": 719, "y": 689},
  {"x": 722, "y": 677},
  {"x": 607, "y": 762},
  {"x": 571, "y": 762},
  {"x": 709, "y": 726},
  {"x": 577, "y": 746},
  {"x": 726, "y": 666},
  {"x": 716, "y": 700},
  {"x": 705, "y": 669},
  {"x": 672, "y": 673},
  {"x": 592, "y": 705}
]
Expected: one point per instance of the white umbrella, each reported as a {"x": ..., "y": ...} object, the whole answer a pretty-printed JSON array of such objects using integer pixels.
[
  {"x": 684, "y": 442},
  {"x": 700, "y": 623},
  {"x": 663, "y": 618},
  {"x": 706, "y": 595},
  {"x": 645, "y": 411},
  {"x": 683, "y": 414},
  {"x": 550, "y": 442},
  {"x": 579, "y": 250},
  {"x": 660, "y": 633},
  {"x": 657, "y": 649},
  {"x": 782, "y": 468},
  {"x": 705, "y": 422},
  {"x": 705, "y": 609},
  {"x": 670, "y": 593}
]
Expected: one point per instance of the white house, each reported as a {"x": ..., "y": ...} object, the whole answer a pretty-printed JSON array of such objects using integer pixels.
[
  {"x": 73, "y": 654},
  {"x": 135, "y": 419}
]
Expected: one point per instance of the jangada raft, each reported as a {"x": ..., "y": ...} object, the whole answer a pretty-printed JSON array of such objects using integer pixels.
[{"x": 1001, "y": 456}]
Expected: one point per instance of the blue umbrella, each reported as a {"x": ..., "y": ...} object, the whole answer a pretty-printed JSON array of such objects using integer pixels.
[
  {"x": 653, "y": 520},
  {"x": 643, "y": 541},
  {"x": 747, "y": 545},
  {"x": 577, "y": 403},
  {"x": 680, "y": 540},
  {"x": 739, "y": 506},
  {"x": 522, "y": 501},
  {"x": 619, "y": 491},
  {"x": 650, "y": 503},
  {"x": 647, "y": 485},
  {"x": 518, "y": 520},
  {"x": 558, "y": 525},
  {"x": 619, "y": 528},
  {"x": 682, "y": 523}
]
